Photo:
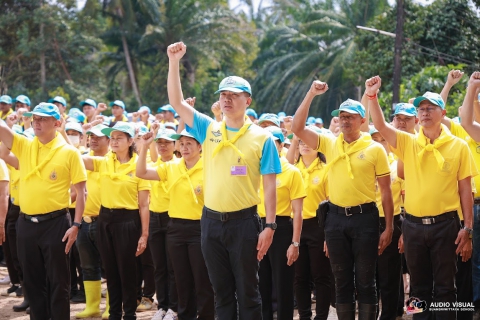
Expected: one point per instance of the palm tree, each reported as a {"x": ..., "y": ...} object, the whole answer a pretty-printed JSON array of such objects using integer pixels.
[{"x": 314, "y": 42}]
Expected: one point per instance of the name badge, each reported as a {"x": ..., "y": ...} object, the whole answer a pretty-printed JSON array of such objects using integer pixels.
[{"x": 238, "y": 170}]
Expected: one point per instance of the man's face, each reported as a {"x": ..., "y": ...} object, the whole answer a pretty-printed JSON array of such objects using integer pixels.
[
  {"x": 44, "y": 125},
  {"x": 350, "y": 123},
  {"x": 4, "y": 107},
  {"x": 234, "y": 104},
  {"x": 88, "y": 110},
  {"x": 117, "y": 111},
  {"x": 98, "y": 143},
  {"x": 60, "y": 106},
  {"x": 377, "y": 137},
  {"x": 430, "y": 115},
  {"x": 19, "y": 105},
  {"x": 405, "y": 123},
  {"x": 168, "y": 116}
]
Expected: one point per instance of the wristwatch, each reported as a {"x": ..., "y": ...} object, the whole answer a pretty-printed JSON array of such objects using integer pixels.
[
  {"x": 76, "y": 224},
  {"x": 469, "y": 231},
  {"x": 272, "y": 225},
  {"x": 295, "y": 244}
]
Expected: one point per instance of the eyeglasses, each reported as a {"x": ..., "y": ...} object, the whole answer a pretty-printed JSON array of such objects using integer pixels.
[
  {"x": 426, "y": 110},
  {"x": 347, "y": 118}
]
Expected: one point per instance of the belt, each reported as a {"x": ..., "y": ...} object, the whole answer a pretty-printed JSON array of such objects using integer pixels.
[
  {"x": 108, "y": 210},
  {"x": 44, "y": 217},
  {"x": 432, "y": 220},
  {"x": 348, "y": 211},
  {"x": 476, "y": 201},
  {"x": 89, "y": 219},
  {"x": 225, "y": 216}
]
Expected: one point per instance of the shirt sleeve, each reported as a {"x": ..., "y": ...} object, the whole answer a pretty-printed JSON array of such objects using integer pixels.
[
  {"x": 402, "y": 138},
  {"x": 297, "y": 189},
  {"x": 19, "y": 144},
  {"x": 4, "y": 171},
  {"x": 325, "y": 145},
  {"x": 77, "y": 168},
  {"x": 382, "y": 168},
  {"x": 200, "y": 126},
  {"x": 270, "y": 161},
  {"x": 97, "y": 163},
  {"x": 144, "y": 185},
  {"x": 467, "y": 164},
  {"x": 162, "y": 172}
]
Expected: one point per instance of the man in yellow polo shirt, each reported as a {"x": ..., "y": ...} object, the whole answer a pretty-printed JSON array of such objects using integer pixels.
[
  {"x": 44, "y": 235},
  {"x": 438, "y": 172},
  {"x": 354, "y": 164},
  {"x": 236, "y": 154}
]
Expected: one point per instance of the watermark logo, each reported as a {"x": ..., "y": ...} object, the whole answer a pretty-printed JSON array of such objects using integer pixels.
[{"x": 414, "y": 305}]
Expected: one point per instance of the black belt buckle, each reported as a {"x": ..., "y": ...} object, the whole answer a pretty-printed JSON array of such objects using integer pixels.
[{"x": 224, "y": 217}]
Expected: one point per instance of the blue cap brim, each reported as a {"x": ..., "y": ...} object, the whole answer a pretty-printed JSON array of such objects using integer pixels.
[
  {"x": 237, "y": 90},
  {"x": 108, "y": 131},
  {"x": 335, "y": 113},
  {"x": 40, "y": 114}
]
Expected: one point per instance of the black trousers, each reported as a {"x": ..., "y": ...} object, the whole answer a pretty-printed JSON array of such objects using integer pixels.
[
  {"x": 46, "y": 267},
  {"x": 430, "y": 254},
  {"x": 118, "y": 232},
  {"x": 165, "y": 287},
  {"x": 312, "y": 265},
  {"x": 195, "y": 292},
  {"x": 10, "y": 245},
  {"x": 464, "y": 284},
  {"x": 230, "y": 252},
  {"x": 389, "y": 272},
  {"x": 353, "y": 248},
  {"x": 274, "y": 273},
  {"x": 76, "y": 279},
  {"x": 145, "y": 274}
]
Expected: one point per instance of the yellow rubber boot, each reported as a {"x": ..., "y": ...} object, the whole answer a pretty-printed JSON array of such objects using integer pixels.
[
  {"x": 106, "y": 314},
  {"x": 93, "y": 294}
]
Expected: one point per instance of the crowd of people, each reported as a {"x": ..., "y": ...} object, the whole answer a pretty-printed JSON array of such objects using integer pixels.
[{"x": 241, "y": 216}]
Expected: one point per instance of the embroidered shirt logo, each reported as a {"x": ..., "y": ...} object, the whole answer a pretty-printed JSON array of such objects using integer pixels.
[
  {"x": 216, "y": 133},
  {"x": 53, "y": 175},
  {"x": 361, "y": 156},
  {"x": 316, "y": 180},
  {"x": 198, "y": 190}
]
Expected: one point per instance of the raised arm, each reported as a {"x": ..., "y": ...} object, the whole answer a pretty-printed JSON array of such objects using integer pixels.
[
  {"x": 6, "y": 135},
  {"x": 452, "y": 79},
  {"x": 142, "y": 171},
  {"x": 365, "y": 126},
  {"x": 174, "y": 86},
  {"x": 310, "y": 137},
  {"x": 467, "y": 119},
  {"x": 386, "y": 130}
]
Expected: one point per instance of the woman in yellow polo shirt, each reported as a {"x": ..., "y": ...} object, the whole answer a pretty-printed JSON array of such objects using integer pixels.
[
  {"x": 312, "y": 264},
  {"x": 276, "y": 268},
  {"x": 123, "y": 220},
  {"x": 185, "y": 186}
]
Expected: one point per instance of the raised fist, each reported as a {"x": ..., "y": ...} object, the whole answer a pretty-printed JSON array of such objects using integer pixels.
[
  {"x": 454, "y": 76},
  {"x": 372, "y": 85},
  {"x": 318, "y": 87},
  {"x": 474, "y": 81},
  {"x": 191, "y": 101},
  {"x": 176, "y": 51},
  {"x": 102, "y": 107},
  {"x": 287, "y": 122},
  {"x": 216, "y": 108}
]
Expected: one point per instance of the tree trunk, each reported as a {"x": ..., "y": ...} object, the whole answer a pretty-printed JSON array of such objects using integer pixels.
[
  {"x": 43, "y": 71},
  {"x": 128, "y": 60}
]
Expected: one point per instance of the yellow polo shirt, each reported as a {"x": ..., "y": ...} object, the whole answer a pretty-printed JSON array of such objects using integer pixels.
[
  {"x": 119, "y": 192},
  {"x": 396, "y": 187},
  {"x": 160, "y": 197},
  {"x": 93, "y": 202},
  {"x": 185, "y": 187},
  {"x": 4, "y": 175},
  {"x": 457, "y": 130},
  {"x": 367, "y": 164},
  {"x": 14, "y": 186},
  {"x": 289, "y": 185},
  {"x": 316, "y": 186},
  {"x": 4, "y": 116},
  {"x": 429, "y": 190},
  {"x": 60, "y": 164}
]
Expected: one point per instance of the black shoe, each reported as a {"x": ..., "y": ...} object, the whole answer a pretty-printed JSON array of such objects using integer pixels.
[
  {"x": 28, "y": 310},
  {"x": 21, "y": 307},
  {"x": 10, "y": 290},
  {"x": 79, "y": 297},
  {"x": 17, "y": 293}
]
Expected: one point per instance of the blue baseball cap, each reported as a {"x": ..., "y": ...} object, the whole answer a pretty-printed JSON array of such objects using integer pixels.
[
  {"x": 89, "y": 102},
  {"x": 276, "y": 133},
  {"x": 405, "y": 109},
  {"x": 6, "y": 99},
  {"x": 372, "y": 130},
  {"x": 44, "y": 109},
  {"x": 23, "y": 99},
  {"x": 251, "y": 112},
  {"x": 270, "y": 117},
  {"x": 97, "y": 130},
  {"x": 170, "y": 125},
  {"x": 142, "y": 129},
  {"x": 318, "y": 121},
  {"x": 118, "y": 103},
  {"x": 184, "y": 133},
  {"x": 281, "y": 114},
  {"x": 433, "y": 97},
  {"x": 142, "y": 108},
  {"x": 72, "y": 125},
  {"x": 310, "y": 120},
  {"x": 121, "y": 126},
  {"x": 234, "y": 84},
  {"x": 76, "y": 114},
  {"x": 167, "y": 108},
  {"x": 60, "y": 100},
  {"x": 166, "y": 134},
  {"x": 350, "y": 106}
]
